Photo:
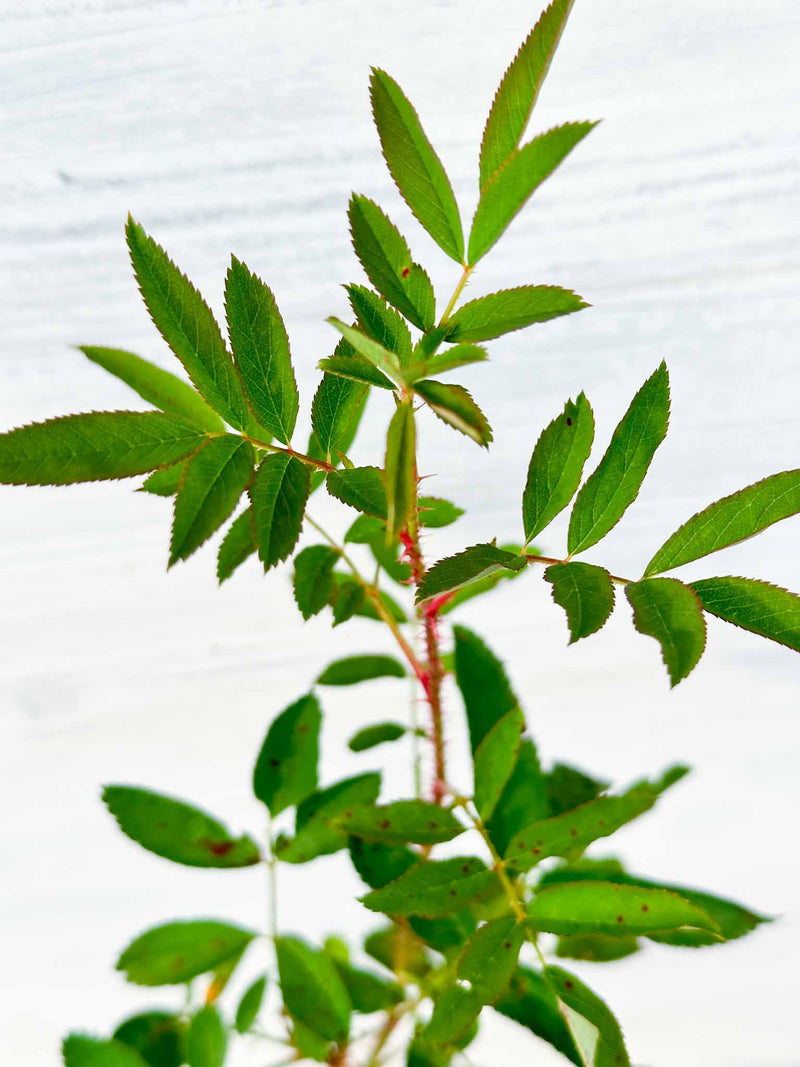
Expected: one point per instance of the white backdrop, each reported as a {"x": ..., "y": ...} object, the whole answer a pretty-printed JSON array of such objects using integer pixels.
[{"x": 244, "y": 126}]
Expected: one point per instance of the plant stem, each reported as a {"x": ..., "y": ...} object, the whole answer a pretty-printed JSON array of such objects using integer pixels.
[
  {"x": 456, "y": 294},
  {"x": 532, "y": 558},
  {"x": 320, "y": 464}
]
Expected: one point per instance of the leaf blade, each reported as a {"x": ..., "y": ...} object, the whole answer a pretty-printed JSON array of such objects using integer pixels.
[
  {"x": 502, "y": 312},
  {"x": 313, "y": 581},
  {"x": 471, "y": 565},
  {"x": 437, "y": 887},
  {"x": 401, "y": 822},
  {"x": 585, "y": 592},
  {"x": 400, "y": 470},
  {"x": 286, "y": 767},
  {"x": 312, "y": 990},
  {"x": 454, "y": 405},
  {"x": 762, "y": 608},
  {"x": 238, "y": 545},
  {"x": 175, "y": 952},
  {"x": 494, "y": 760},
  {"x": 362, "y": 488},
  {"x": 278, "y": 496},
  {"x": 354, "y": 669},
  {"x": 670, "y": 611}
]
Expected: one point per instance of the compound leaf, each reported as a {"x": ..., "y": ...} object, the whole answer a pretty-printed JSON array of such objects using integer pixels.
[
  {"x": 278, "y": 495},
  {"x": 179, "y": 951},
  {"x": 313, "y": 581},
  {"x": 511, "y": 309},
  {"x": 473, "y": 563},
  {"x": 94, "y": 447},
  {"x": 586, "y": 594},
  {"x": 312, "y": 989},
  {"x": 760, "y": 607},
  {"x": 238, "y": 544},
  {"x": 286, "y": 768},
  {"x": 401, "y": 822},
  {"x": 556, "y": 465},
  {"x": 730, "y": 520},
  {"x": 415, "y": 166},
  {"x": 615, "y": 484},
  {"x": 670, "y": 611},
  {"x": 158, "y": 387},
  {"x": 214, "y": 480},
  {"x": 519, "y": 89},
  {"x": 261, "y": 351},
  {"x": 354, "y": 669},
  {"x": 362, "y": 488},
  {"x": 188, "y": 326},
  {"x": 436, "y": 887},
  {"x": 615, "y": 910},
  {"x": 177, "y": 831},
  {"x": 455, "y": 406},
  {"x": 521, "y": 173}
]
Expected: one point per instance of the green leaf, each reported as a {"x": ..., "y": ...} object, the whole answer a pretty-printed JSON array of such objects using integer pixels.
[
  {"x": 556, "y": 465},
  {"x": 386, "y": 259},
  {"x": 94, "y": 447},
  {"x": 309, "y": 1044},
  {"x": 379, "y": 734},
  {"x": 164, "y": 482},
  {"x": 490, "y": 957},
  {"x": 511, "y": 309},
  {"x": 349, "y": 371},
  {"x": 598, "y": 948},
  {"x": 521, "y": 173},
  {"x": 567, "y": 788},
  {"x": 453, "y": 1014},
  {"x": 421, "y": 1054},
  {"x": 451, "y": 359},
  {"x": 362, "y": 488},
  {"x": 278, "y": 494},
  {"x": 415, "y": 166},
  {"x": 668, "y": 610},
  {"x": 349, "y": 599},
  {"x": 531, "y": 1002},
  {"x": 78, "y": 1050},
  {"x": 522, "y": 801},
  {"x": 401, "y": 822},
  {"x": 158, "y": 1036},
  {"x": 601, "y": 1042},
  {"x": 446, "y": 934},
  {"x": 215, "y": 478},
  {"x": 481, "y": 585},
  {"x": 238, "y": 544},
  {"x": 207, "y": 1040},
  {"x": 435, "y": 512},
  {"x": 338, "y": 404},
  {"x": 313, "y": 991},
  {"x": 615, "y": 484},
  {"x": 494, "y": 760},
  {"x": 250, "y": 1004},
  {"x": 519, "y": 89},
  {"x": 573, "y": 831},
  {"x": 186, "y": 323},
  {"x": 367, "y": 991},
  {"x": 354, "y": 669},
  {"x": 730, "y": 520},
  {"x": 179, "y": 951},
  {"x": 177, "y": 831},
  {"x": 760, "y": 607},
  {"x": 616, "y": 910},
  {"x": 158, "y": 387},
  {"x": 454, "y": 405},
  {"x": 380, "y": 357},
  {"x": 378, "y": 864},
  {"x": 261, "y": 350},
  {"x": 472, "y": 564},
  {"x": 317, "y": 834},
  {"x": 381, "y": 322},
  {"x": 313, "y": 581},
  {"x": 286, "y": 768},
  {"x": 436, "y": 887},
  {"x": 393, "y": 949},
  {"x": 586, "y": 594},
  {"x": 484, "y": 685},
  {"x": 400, "y": 469},
  {"x": 361, "y": 605}
]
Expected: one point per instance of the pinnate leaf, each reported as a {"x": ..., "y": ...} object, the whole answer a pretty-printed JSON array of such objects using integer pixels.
[
  {"x": 78, "y": 1050},
  {"x": 670, "y": 611},
  {"x": 214, "y": 480},
  {"x": 261, "y": 350},
  {"x": 381, "y": 322},
  {"x": 312, "y": 989},
  {"x": 615, "y": 910},
  {"x": 187, "y": 325},
  {"x": 494, "y": 760},
  {"x": 386, "y": 259},
  {"x": 400, "y": 470},
  {"x": 511, "y": 309},
  {"x": 519, "y": 89},
  {"x": 354, "y": 669},
  {"x": 436, "y": 887},
  {"x": 313, "y": 580},
  {"x": 730, "y": 520},
  {"x": 603, "y": 1044},
  {"x": 158, "y": 387},
  {"x": 473, "y": 563},
  {"x": 415, "y": 166},
  {"x": 523, "y": 171},
  {"x": 362, "y": 488},
  {"x": 454, "y": 405},
  {"x": 401, "y": 822},
  {"x": 278, "y": 495},
  {"x": 586, "y": 594},
  {"x": 485, "y": 688},
  {"x": 207, "y": 1040},
  {"x": 179, "y": 951},
  {"x": 615, "y": 484},
  {"x": 556, "y": 466},
  {"x": 95, "y": 447},
  {"x": 250, "y": 1004},
  {"x": 238, "y": 544},
  {"x": 378, "y": 734},
  {"x": 177, "y": 831},
  {"x": 286, "y": 768},
  {"x": 760, "y": 607}
]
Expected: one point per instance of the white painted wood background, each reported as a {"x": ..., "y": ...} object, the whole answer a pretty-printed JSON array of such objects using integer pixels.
[{"x": 243, "y": 126}]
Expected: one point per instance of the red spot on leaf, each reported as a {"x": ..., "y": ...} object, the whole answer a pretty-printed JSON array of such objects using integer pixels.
[{"x": 405, "y": 271}]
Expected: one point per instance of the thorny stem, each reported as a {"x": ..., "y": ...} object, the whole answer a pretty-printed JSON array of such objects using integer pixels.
[
  {"x": 531, "y": 558},
  {"x": 320, "y": 464}
]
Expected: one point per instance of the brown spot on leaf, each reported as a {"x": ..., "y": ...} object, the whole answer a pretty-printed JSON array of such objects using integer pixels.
[
  {"x": 433, "y": 824},
  {"x": 569, "y": 984},
  {"x": 535, "y": 851},
  {"x": 573, "y": 832},
  {"x": 218, "y": 848},
  {"x": 384, "y": 824},
  {"x": 620, "y": 918},
  {"x": 507, "y": 944},
  {"x": 465, "y": 869},
  {"x": 452, "y": 892},
  {"x": 569, "y": 421},
  {"x": 405, "y": 271},
  {"x": 274, "y": 762},
  {"x": 645, "y": 907}
]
